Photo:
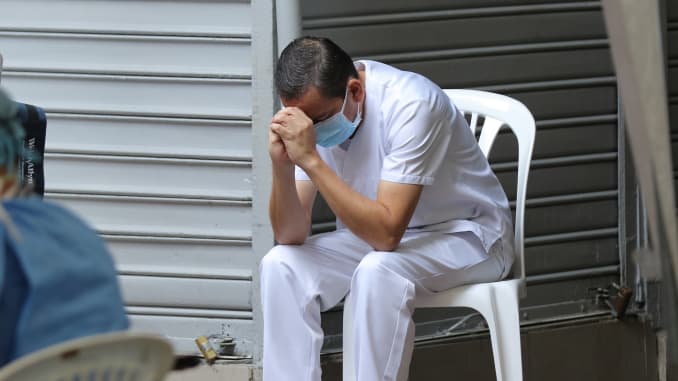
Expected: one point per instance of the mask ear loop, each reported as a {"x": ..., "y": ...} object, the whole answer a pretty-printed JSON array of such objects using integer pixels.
[
  {"x": 13, "y": 192},
  {"x": 6, "y": 220},
  {"x": 27, "y": 190}
]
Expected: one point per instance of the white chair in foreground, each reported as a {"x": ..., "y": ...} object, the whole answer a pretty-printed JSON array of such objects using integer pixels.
[
  {"x": 497, "y": 302},
  {"x": 114, "y": 356}
]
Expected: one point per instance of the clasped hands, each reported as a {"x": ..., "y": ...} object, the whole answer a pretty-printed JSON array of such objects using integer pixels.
[{"x": 292, "y": 138}]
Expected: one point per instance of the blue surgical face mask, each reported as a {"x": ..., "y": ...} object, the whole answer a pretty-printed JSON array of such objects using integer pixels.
[{"x": 337, "y": 128}]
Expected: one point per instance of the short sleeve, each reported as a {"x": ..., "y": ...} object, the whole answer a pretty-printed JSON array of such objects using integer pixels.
[
  {"x": 299, "y": 174},
  {"x": 418, "y": 136}
]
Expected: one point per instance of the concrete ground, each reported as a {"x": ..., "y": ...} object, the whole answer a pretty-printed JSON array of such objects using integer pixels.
[{"x": 604, "y": 350}]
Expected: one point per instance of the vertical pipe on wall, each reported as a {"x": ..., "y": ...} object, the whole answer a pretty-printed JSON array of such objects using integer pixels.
[
  {"x": 264, "y": 103},
  {"x": 288, "y": 20},
  {"x": 638, "y": 53}
]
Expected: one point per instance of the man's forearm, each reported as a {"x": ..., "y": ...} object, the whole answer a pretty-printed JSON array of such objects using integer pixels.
[
  {"x": 366, "y": 218},
  {"x": 288, "y": 218}
]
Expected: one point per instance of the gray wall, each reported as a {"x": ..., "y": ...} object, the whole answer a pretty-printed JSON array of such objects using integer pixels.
[
  {"x": 554, "y": 57},
  {"x": 138, "y": 96}
]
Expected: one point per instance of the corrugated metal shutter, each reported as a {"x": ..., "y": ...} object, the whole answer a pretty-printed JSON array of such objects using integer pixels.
[
  {"x": 672, "y": 85},
  {"x": 149, "y": 107},
  {"x": 657, "y": 291},
  {"x": 554, "y": 57}
]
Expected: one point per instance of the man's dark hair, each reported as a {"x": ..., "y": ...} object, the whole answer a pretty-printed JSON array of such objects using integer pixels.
[{"x": 313, "y": 61}]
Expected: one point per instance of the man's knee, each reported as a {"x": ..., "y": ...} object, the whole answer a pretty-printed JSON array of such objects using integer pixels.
[
  {"x": 286, "y": 260},
  {"x": 275, "y": 259},
  {"x": 276, "y": 271},
  {"x": 377, "y": 279},
  {"x": 376, "y": 262}
]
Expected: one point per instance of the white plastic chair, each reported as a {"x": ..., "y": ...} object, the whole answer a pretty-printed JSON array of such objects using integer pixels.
[
  {"x": 114, "y": 356},
  {"x": 497, "y": 302}
]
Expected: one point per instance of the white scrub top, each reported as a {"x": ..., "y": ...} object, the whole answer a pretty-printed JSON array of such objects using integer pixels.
[{"x": 412, "y": 134}]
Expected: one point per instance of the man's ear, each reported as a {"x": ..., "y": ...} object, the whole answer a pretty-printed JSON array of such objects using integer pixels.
[{"x": 356, "y": 90}]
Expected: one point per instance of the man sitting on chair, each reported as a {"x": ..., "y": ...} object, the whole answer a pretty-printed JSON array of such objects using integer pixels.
[{"x": 418, "y": 209}]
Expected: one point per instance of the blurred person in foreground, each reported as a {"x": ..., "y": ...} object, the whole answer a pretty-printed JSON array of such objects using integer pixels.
[
  {"x": 418, "y": 209},
  {"x": 57, "y": 279}
]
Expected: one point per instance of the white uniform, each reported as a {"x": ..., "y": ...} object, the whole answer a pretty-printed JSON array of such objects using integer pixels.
[{"x": 461, "y": 232}]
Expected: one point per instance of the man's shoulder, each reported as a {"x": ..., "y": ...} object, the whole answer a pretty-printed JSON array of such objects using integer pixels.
[{"x": 400, "y": 87}]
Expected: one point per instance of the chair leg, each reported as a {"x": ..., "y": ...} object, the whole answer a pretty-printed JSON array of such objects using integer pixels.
[
  {"x": 504, "y": 325},
  {"x": 348, "y": 341}
]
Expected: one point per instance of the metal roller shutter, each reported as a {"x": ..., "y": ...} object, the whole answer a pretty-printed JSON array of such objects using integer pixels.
[
  {"x": 150, "y": 110},
  {"x": 672, "y": 72},
  {"x": 554, "y": 57}
]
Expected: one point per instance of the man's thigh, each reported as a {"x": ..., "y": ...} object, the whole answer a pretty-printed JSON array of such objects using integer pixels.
[{"x": 436, "y": 262}]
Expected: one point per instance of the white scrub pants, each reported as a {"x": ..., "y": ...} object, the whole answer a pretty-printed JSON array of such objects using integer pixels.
[{"x": 298, "y": 282}]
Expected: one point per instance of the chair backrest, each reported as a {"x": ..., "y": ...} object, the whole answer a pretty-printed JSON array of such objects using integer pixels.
[
  {"x": 497, "y": 111},
  {"x": 115, "y": 356}
]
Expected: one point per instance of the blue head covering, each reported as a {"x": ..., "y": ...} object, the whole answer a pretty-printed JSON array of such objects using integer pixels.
[{"x": 71, "y": 287}]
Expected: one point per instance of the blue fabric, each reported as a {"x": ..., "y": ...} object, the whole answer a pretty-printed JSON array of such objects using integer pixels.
[
  {"x": 12, "y": 296},
  {"x": 71, "y": 288}
]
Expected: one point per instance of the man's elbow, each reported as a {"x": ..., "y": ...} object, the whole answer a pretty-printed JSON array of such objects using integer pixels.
[
  {"x": 388, "y": 243},
  {"x": 290, "y": 239},
  {"x": 296, "y": 242}
]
